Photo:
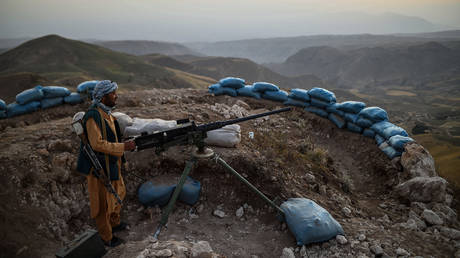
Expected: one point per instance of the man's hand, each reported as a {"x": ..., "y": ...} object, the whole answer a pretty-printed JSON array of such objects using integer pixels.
[{"x": 130, "y": 145}]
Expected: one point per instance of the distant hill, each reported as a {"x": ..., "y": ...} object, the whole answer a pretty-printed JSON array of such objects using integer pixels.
[
  {"x": 277, "y": 50},
  {"x": 143, "y": 47},
  {"x": 58, "y": 59},
  {"x": 414, "y": 64},
  {"x": 220, "y": 67}
]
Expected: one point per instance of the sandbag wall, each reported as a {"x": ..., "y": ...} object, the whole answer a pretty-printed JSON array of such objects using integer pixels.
[
  {"x": 354, "y": 116},
  {"x": 43, "y": 97}
]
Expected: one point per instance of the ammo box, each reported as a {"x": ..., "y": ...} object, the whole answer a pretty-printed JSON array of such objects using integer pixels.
[{"x": 89, "y": 245}]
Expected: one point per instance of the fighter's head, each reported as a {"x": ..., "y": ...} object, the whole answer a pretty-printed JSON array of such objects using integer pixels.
[{"x": 105, "y": 92}]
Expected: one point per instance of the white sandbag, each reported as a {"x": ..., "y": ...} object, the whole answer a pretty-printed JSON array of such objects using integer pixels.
[
  {"x": 228, "y": 136},
  {"x": 123, "y": 120},
  {"x": 141, "y": 125}
]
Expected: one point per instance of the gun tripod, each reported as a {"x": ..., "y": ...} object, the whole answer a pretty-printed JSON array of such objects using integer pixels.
[{"x": 205, "y": 153}]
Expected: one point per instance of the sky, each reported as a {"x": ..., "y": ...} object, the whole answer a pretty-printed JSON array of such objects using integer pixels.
[{"x": 218, "y": 20}]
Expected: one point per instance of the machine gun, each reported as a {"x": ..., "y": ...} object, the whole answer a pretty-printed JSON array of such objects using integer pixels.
[{"x": 188, "y": 133}]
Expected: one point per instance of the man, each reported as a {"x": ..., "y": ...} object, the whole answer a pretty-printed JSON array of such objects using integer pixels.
[{"x": 104, "y": 136}]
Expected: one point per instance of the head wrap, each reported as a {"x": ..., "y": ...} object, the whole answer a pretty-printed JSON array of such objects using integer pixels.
[{"x": 103, "y": 88}]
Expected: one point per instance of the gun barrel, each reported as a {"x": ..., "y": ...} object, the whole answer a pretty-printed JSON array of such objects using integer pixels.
[{"x": 219, "y": 124}]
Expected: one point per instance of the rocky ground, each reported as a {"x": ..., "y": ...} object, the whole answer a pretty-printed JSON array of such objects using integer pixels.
[{"x": 387, "y": 208}]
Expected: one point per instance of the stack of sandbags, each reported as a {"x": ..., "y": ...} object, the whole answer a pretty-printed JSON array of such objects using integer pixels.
[
  {"x": 53, "y": 96},
  {"x": 153, "y": 194},
  {"x": 227, "y": 86},
  {"x": 27, "y": 101},
  {"x": 248, "y": 91},
  {"x": 320, "y": 100},
  {"x": 350, "y": 111},
  {"x": 73, "y": 98},
  {"x": 270, "y": 91},
  {"x": 298, "y": 98},
  {"x": 87, "y": 88},
  {"x": 2, "y": 109}
]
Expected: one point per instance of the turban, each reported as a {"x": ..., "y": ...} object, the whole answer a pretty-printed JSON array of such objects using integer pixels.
[{"x": 103, "y": 88}]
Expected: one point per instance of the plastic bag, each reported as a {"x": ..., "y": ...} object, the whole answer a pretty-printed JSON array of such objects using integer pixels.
[
  {"x": 351, "y": 106},
  {"x": 394, "y": 130},
  {"x": 86, "y": 86},
  {"x": 319, "y": 103},
  {"x": 15, "y": 109},
  {"x": 354, "y": 127},
  {"x": 323, "y": 95},
  {"x": 30, "y": 95},
  {"x": 299, "y": 94},
  {"x": 294, "y": 102},
  {"x": 337, "y": 120},
  {"x": 248, "y": 91},
  {"x": 318, "y": 111},
  {"x": 375, "y": 114},
  {"x": 141, "y": 125},
  {"x": 73, "y": 98},
  {"x": 150, "y": 194},
  {"x": 2, "y": 105},
  {"x": 381, "y": 126},
  {"x": 398, "y": 142},
  {"x": 369, "y": 133},
  {"x": 228, "y": 136},
  {"x": 332, "y": 108},
  {"x": 232, "y": 82},
  {"x": 280, "y": 96},
  {"x": 265, "y": 86},
  {"x": 123, "y": 120},
  {"x": 52, "y": 102},
  {"x": 55, "y": 91},
  {"x": 309, "y": 222},
  {"x": 190, "y": 193}
]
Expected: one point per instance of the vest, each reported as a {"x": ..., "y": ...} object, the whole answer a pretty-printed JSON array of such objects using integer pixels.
[{"x": 84, "y": 165}]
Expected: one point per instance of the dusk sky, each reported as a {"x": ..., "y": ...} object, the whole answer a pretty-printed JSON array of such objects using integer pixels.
[{"x": 215, "y": 20}]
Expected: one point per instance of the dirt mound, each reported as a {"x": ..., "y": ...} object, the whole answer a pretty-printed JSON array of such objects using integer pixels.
[{"x": 295, "y": 154}]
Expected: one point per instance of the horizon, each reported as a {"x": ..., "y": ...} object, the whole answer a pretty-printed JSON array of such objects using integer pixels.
[{"x": 207, "y": 21}]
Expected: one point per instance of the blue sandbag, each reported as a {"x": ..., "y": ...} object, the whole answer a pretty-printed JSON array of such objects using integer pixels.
[
  {"x": 337, "y": 120},
  {"x": 375, "y": 114},
  {"x": 391, "y": 152},
  {"x": 299, "y": 94},
  {"x": 394, "y": 130},
  {"x": 47, "y": 103},
  {"x": 381, "y": 126},
  {"x": 151, "y": 195},
  {"x": 73, "y": 98},
  {"x": 323, "y": 95},
  {"x": 265, "y": 86},
  {"x": 2, "y": 105},
  {"x": 379, "y": 139},
  {"x": 232, "y": 82},
  {"x": 30, "y": 95},
  {"x": 3, "y": 114},
  {"x": 363, "y": 122},
  {"x": 15, "y": 109},
  {"x": 55, "y": 91},
  {"x": 369, "y": 133},
  {"x": 217, "y": 90},
  {"x": 319, "y": 103},
  {"x": 350, "y": 117},
  {"x": 332, "y": 108},
  {"x": 190, "y": 193},
  {"x": 294, "y": 102},
  {"x": 351, "y": 106},
  {"x": 309, "y": 222},
  {"x": 280, "y": 95},
  {"x": 398, "y": 142},
  {"x": 86, "y": 86},
  {"x": 318, "y": 111},
  {"x": 354, "y": 127},
  {"x": 248, "y": 91}
]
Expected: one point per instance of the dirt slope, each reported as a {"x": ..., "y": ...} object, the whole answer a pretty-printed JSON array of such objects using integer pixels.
[{"x": 43, "y": 203}]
